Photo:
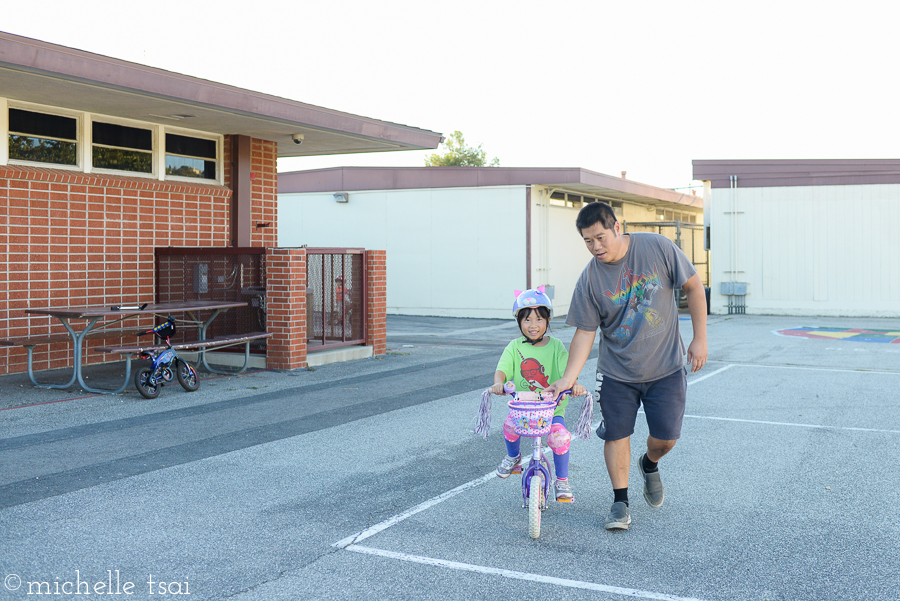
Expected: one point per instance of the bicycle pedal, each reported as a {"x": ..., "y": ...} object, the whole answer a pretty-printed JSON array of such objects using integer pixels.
[
  {"x": 565, "y": 500},
  {"x": 516, "y": 470}
]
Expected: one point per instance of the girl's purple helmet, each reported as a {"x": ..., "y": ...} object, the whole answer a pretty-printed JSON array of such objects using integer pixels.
[{"x": 531, "y": 298}]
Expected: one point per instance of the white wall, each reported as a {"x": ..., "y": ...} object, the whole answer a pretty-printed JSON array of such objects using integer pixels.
[
  {"x": 456, "y": 252},
  {"x": 810, "y": 250},
  {"x": 558, "y": 253}
]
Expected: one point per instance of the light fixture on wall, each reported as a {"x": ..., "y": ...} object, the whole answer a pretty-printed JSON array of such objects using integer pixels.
[{"x": 342, "y": 197}]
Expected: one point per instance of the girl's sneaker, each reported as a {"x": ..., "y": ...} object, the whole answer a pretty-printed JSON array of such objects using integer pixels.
[
  {"x": 563, "y": 491},
  {"x": 509, "y": 465}
]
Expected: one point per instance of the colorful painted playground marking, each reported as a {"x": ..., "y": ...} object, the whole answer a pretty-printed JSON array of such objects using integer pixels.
[{"x": 853, "y": 334}]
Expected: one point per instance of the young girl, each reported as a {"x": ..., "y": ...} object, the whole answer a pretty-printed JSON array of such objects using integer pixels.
[{"x": 532, "y": 362}]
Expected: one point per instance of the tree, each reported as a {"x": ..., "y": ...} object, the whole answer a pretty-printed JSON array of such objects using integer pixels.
[{"x": 459, "y": 155}]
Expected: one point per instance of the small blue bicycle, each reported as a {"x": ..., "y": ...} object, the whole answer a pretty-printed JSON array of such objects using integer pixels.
[{"x": 150, "y": 380}]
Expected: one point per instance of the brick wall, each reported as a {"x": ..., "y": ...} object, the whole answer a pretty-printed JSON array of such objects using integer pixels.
[
  {"x": 286, "y": 307},
  {"x": 70, "y": 238},
  {"x": 263, "y": 187},
  {"x": 376, "y": 328},
  {"x": 76, "y": 239}
]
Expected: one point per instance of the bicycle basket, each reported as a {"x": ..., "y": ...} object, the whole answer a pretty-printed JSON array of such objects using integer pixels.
[{"x": 531, "y": 418}]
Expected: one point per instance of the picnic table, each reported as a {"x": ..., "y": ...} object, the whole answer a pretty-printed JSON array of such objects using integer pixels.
[{"x": 94, "y": 315}]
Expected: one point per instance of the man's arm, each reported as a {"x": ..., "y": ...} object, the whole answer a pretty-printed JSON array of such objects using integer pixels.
[
  {"x": 579, "y": 351},
  {"x": 696, "y": 297}
]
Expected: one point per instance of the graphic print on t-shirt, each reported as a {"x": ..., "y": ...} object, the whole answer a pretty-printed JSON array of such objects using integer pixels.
[
  {"x": 533, "y": 373},
  {"x": 636, "y": 292}
]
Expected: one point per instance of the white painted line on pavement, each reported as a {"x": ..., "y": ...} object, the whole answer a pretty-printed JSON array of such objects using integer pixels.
[
  {"x": 792, "y": 424},
  {"x": 811, "y": 368},
  {"x": 373, "y": 530},
  {"x": 466, "y": 567},
  {"x": 701, "y": 378}
]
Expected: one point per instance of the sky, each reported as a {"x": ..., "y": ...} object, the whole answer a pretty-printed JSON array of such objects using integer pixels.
[{"x": 642, "y": 87}]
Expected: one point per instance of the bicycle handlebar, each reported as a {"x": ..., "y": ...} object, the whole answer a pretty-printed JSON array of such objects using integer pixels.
[{"x": 510, "y": 388}]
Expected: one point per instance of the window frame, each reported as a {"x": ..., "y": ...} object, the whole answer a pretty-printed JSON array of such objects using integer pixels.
[
  {"x": 47, "y": 110},
  {"x": 84, "y": 144},
  {"x": 219, "y": 139},
  {"x": 154, "y": 145}
]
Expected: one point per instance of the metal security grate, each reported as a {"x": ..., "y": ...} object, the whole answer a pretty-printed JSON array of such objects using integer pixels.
[
  {"x": 336, "y": 297},
  {"x": 217, "y": 274}
]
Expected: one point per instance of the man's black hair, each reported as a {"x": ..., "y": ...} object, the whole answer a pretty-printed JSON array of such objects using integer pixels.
[{"x": 595, "y": 212}]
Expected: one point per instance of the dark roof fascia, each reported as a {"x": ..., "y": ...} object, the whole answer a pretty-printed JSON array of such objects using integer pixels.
[
  {"x": 768, "y": 173},
  {"x": 35, "y": 56},
  {"x": 349, "y": 179}
]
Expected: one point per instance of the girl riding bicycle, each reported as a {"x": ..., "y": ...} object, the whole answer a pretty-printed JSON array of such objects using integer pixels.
[{"x": 532, "y": 362}]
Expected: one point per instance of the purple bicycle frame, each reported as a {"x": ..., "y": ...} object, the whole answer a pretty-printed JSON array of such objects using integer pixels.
[{"x": 542, "y": 465}]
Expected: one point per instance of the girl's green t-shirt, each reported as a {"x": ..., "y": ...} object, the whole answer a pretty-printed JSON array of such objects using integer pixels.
[{"x": 535, "y": 368}]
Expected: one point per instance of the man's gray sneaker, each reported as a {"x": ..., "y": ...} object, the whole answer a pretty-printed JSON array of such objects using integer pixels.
[
  {"x": 654, "y": 492},
  {"x": 509, "y": 465},
  {"x": 619, "y": 517}
]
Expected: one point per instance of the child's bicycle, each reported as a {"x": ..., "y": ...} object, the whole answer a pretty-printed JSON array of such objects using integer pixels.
[
  {"x": 149, "y": 380},
  {"x": 532, "y": 418}
]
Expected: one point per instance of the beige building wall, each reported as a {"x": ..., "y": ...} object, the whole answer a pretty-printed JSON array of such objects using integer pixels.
[
  {"x": 808, "y": 250},
  {"x": 453, "y": 252}
]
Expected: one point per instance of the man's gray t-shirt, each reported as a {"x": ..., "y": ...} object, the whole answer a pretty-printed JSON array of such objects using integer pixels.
[{"x": 632, "y": 301}]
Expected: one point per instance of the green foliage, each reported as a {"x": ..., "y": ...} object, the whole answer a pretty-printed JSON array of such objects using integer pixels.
[
  {"x": 459, "y": 155},
  {"x": 41, "y": 150},
  {"x": 124, "y": 159}
]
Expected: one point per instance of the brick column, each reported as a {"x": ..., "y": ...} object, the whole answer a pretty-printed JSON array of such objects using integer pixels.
[
  {"x": 376, "y": 327},
  {"x": 286, "y": 307}
]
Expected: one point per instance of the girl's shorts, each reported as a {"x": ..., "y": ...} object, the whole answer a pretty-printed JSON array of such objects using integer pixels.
[{"x": 663, "y": 401}]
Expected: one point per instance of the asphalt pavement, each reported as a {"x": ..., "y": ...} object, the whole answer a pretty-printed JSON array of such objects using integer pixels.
[{"x": 363, "y": 480}]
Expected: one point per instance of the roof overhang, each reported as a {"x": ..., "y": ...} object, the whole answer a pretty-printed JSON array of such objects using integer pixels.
[
  {"x": 588, "y": 183},
  {"x": 43, "y": 73},
  {"x": 798, "y": 172}
]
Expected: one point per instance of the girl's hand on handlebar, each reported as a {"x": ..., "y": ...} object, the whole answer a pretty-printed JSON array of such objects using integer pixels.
[
  {"x": 498, "y": 389},
  {"x": 578, "y": 389}
]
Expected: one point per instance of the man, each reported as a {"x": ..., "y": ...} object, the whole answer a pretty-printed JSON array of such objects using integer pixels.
[{"x": 628, "y": 292}]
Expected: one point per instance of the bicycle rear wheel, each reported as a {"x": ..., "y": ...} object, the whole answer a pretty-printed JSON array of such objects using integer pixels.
[
  {"x": 535, "y": 502},
  {"x": 143, "y": 385}
]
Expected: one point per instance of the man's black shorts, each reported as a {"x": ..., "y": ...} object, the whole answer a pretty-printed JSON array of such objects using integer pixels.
[{"x": 663, "y": 401}]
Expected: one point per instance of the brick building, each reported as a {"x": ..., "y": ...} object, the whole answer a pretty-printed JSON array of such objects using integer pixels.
[{"x": 103, "y": 161}]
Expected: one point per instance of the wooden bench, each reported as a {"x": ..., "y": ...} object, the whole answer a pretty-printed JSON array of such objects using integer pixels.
[
  {"x": 30, "y": 343},
  {"x": 201, "y": 346}
]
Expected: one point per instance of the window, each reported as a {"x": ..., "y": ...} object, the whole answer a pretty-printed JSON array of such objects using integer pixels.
[
  {"x": 121, "y": 147},
  {"x": 63, "y": 138},
  {"x": 565, "y": 199},
  {"x": 42, "y": 138},
  {"x": 190, "y": 157}
]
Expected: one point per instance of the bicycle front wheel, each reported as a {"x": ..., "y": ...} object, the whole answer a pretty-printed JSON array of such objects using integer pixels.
[
  {"x": 187, "y": 375},
  {"x": 535, "y": 502}
]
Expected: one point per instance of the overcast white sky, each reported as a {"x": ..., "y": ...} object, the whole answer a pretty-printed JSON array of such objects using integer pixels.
[{"x": 643, "y": 87}]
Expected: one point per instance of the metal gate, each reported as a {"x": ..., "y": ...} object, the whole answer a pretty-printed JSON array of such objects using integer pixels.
[
  {"x": 216, "y": 274},
  {"x": 687, "y": 236},
  {"x": 336, "y": 297}
]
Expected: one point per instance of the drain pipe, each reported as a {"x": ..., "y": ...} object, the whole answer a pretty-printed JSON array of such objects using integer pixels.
[{"x": 733, "y": 229}]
